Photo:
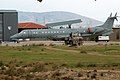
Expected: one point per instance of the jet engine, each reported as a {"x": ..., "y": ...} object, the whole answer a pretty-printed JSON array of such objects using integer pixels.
[{"x": 90, "y": 30}]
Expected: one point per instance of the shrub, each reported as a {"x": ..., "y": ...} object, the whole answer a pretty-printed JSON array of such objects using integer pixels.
[
  {"x": 41, "y": 44},
  {"x": 80, "y": 74},
  {"x": 1, "y": 63},
  {"x": 79, "y": 64},
  {"x": 42, "y": 49},
  {"x": 54, "y": 67},
  {"x": 29, "y": 49},
  {"x": 84, "y": 52},
  {"x": 39, "y": 67},
  {"x": 91, "y": 65},
  {"x": 51, "y": 44},
  {"x": 94, "y": 76}
]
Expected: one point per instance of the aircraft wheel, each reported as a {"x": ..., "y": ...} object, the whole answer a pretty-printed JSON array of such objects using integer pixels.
[
  {"x": 66, "y": 42},
  {"x": 71, "y": 43}
]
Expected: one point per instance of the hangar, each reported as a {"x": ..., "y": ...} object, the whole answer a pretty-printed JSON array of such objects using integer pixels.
[
  {"x": 8, "y": 24},
  {"x": 115, "y": 36}
]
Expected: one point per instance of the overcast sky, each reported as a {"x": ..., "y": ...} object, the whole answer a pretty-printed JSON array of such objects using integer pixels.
[{"x": 99, "y": 9}]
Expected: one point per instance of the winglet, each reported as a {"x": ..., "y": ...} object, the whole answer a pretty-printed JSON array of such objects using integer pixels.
[
  {"x": 116, "y": 16},
  {"x": 111, "y": 15}
]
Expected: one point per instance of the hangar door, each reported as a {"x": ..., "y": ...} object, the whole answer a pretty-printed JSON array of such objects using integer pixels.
[{"x": 1, "y": 25}]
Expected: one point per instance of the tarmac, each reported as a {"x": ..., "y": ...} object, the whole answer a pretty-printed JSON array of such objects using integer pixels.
[{"x": 56, "y": 43}]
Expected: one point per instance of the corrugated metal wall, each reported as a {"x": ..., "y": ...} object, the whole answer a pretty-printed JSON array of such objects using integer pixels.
[
  {"x": 1, "y": 25},
  {"x": 8, "y": 24}
]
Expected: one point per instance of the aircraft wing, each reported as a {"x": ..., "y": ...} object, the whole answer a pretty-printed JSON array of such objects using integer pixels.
[
  {"x": 85, "y": 35},
  {"x": 107, "y": 33},
  {"x": 61, "y": 36}
]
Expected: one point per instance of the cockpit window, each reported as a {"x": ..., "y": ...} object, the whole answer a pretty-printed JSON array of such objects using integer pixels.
[{"x": 23, "y": 32}]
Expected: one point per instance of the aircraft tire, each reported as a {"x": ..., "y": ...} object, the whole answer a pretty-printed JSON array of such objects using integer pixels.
[{"x": 71, "y": 42}]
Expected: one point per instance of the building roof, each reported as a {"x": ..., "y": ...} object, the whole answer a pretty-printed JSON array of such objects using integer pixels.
[
  {"x": 30, "y": 25},
  {"x": 116, "y": 27},
  {"x": 8, "y": 10}
]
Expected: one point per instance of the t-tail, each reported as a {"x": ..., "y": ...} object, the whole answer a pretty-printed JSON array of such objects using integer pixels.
[{"x": 109, "y": 22}]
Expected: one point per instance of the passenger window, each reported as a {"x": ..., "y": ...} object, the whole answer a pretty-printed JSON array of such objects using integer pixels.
[
  {"x": 36, "y": 32},
  {"x": 60, "y": 31},
  {"x": 24, "y": 32},
  {"x": 33, "y": 32}
]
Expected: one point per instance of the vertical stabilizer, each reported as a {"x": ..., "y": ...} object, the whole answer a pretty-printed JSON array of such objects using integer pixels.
[{"x": 109, "y": 22}]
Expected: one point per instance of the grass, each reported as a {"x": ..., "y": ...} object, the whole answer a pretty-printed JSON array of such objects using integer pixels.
[{"x": 84, "y": 56}]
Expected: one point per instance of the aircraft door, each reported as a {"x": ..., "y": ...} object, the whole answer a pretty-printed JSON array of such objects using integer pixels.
[{"x": 30, "y": 34}]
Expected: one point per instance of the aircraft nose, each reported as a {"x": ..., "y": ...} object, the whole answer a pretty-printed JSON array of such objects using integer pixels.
[{"x": 14, "y": 36}]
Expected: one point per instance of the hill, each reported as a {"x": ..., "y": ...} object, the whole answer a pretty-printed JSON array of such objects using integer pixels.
[{"x": 55, "y": 16}]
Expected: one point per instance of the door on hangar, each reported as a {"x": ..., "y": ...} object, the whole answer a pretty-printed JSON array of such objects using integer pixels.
[{"x": 1, "y": 25}]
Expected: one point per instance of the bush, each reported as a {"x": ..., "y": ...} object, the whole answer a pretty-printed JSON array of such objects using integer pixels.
[
  {"x": 115, "y": 64},
  {"x": 91, "y": 65},
  {"x": 51, "y": 44},
  {"x": 42, "y": 49},
  {"x": 84, "y": 52},
  {"x": 79, "y": 65},
  {"x": 39, "y": 67},
  {"x": 1, "y": 63}
]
